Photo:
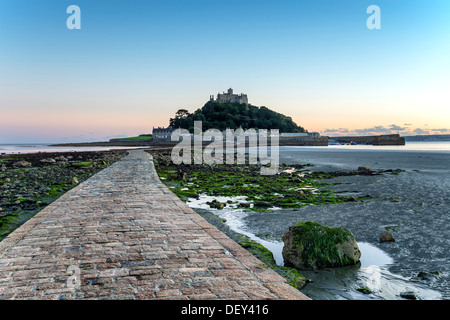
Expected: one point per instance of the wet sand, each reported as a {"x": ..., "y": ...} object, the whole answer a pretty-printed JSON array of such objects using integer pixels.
[{"x": 413, "y": 205}]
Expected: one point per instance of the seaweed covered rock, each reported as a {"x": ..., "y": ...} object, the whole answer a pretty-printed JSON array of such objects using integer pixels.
[{"x": 311, "y": 245}]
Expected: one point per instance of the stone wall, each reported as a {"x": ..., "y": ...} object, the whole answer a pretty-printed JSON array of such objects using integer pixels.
[
  {"x": 303, "y": 141},
  {"x": 387, "y": 140}
]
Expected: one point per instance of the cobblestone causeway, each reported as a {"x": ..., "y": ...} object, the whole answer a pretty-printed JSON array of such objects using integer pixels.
[{"x": 123, "y": 235}]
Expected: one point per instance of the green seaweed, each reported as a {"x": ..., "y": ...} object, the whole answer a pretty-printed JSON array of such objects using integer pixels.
[
  {"x": 82, "y": 164},
  {"x": 364, "y": 290},
  {"x": 292, "y": 275},
  {"x": 284, "y": 190},
  {"x": 318, "y": 244}
]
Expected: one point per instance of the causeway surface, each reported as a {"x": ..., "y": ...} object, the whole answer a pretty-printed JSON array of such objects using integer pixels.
[{"x": 123, "y": 235}]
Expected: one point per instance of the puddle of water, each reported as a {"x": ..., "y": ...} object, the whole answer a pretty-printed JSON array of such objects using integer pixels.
[
  {"x": 373, "y": 256},
  {"x": 201, "y": 202},
  {"x": 234, "y": 217}
]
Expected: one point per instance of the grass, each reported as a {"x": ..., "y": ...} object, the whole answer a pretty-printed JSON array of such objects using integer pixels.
[{"x": 141, "y": 137}]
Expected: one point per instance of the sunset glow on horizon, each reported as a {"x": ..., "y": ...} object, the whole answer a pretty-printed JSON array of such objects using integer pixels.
[{"x": 132, "y": 66}]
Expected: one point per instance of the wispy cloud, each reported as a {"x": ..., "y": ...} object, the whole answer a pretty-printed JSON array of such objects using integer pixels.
[
  {"x": 397, "y": 128},
  {"x": 421, "y": 131},
  {"x": 441, "y": 130},
  {"x": 336, "y": 131}
]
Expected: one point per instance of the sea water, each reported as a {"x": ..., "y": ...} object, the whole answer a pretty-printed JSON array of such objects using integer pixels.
[{"x": 35, "y": 148}]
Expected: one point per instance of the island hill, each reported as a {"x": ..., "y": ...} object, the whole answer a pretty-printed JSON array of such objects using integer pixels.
[
  {"x": 232, "y": 111},
  {"x": 235, "y": 115}
]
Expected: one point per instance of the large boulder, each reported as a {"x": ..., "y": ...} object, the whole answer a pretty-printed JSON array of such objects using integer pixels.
[{"x": 311, "y": 245}]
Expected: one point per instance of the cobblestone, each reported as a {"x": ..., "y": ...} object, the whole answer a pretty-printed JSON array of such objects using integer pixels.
[{"x": 123, "y": 235}]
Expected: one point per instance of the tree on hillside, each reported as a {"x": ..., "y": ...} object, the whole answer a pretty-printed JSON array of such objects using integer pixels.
[{"x": 234, "y": 115}]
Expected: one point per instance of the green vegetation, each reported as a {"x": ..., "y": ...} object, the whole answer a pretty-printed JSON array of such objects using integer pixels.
[
  {"x": 234, "y": 115},
  {"x": 365, "y": 290},
  {"x": 140, "y": 137},
  {"x": 292, "y": 275},
  {"x": 391, "y": 228},
  {"x": 82, "y": 164}
]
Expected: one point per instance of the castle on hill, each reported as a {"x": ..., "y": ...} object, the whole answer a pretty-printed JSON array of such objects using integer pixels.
[{"x": 230, "y": 97}]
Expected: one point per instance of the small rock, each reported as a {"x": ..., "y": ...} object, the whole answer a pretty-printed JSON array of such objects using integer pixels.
[
  {"x": 363, "y": 169},
  {"x": 387, "y": 237},
  {"x": 244, "y": 205},
  {"x": 49, "y": 160},
  {"x": 428, "y": 275},
  {"x": 262, "y": 204},
  {"x": 364, "y": 290},
  {"x": 181, "y": 176},
  {"x": 22, "y": 164},
  {"x": 220, "y": 206},
  {"x": 410, "y": 295}
]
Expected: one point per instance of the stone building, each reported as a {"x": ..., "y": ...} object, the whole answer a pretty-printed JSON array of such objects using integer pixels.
[
  {"x": 230, "y": 97},
  {"x": 162, "y": 134}
]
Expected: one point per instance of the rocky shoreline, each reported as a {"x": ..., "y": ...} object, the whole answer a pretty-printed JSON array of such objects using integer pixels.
[{"x": 29, "y": 182}]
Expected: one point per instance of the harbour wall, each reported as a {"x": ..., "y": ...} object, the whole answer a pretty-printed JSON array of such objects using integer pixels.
[{"x": 380, "y": 140}]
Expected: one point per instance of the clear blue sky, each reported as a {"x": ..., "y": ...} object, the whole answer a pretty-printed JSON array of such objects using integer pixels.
[{"x": 134, "y": 63}]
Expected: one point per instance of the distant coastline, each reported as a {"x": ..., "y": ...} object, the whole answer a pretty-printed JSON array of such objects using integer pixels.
[
  {"x": 150, "y": 143},
  {"x": 430, "y": 137}
]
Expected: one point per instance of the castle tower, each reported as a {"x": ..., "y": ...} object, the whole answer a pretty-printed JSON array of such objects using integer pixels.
[{"x": 230, "y": 91}]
